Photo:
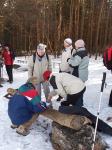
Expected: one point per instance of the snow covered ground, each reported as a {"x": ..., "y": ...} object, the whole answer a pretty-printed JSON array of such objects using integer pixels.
[{"x": 39, "y": 138}]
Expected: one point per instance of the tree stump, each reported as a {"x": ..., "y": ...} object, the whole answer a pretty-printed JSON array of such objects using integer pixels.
[{"x": 64, "y": 138}]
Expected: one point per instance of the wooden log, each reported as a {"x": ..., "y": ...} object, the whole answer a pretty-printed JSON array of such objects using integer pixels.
[{"x": 71, "y": 121}]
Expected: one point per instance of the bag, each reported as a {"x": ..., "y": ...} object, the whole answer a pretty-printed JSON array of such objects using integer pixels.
[{"x": 107, "y": 58}]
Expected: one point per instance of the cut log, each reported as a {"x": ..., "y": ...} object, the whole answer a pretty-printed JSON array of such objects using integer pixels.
[
  {"x": 63, "y": 138},
  {"x": 72, "y": 121}
]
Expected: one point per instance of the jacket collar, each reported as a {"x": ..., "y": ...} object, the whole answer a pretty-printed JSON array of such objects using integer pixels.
[{"x": 80, "y": 49}]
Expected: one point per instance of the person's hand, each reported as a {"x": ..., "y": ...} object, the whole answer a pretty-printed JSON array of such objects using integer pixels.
[{"x": 49, "y": 98}]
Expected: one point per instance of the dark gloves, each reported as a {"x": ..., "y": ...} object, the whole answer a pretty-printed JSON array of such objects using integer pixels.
[{"x": 59, "y": 98}]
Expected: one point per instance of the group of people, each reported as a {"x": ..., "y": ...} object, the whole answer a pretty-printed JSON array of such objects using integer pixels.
[
  {"x": 6, "y": 57},
  {"x": 68, "y": 84}
]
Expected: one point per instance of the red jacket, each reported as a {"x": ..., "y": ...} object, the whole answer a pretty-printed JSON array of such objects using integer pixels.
[{"x": 8, "y": 59}]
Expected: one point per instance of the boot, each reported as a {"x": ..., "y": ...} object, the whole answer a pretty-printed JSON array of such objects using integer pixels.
[
  {"x": 13, "y": 126},
  {"x": 22, "y": 131}
]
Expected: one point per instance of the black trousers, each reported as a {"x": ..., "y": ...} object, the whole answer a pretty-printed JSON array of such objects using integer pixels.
[
  {"x": 9, "y": 72},
  {"x": 102, "y": 126},
  {"x": 75, "y": 99},
  {"x": 110, "y": 99}
]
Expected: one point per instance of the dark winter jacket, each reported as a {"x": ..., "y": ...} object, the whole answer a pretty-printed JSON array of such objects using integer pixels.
[
  {"x": 24, "y": 104},
  {"x": 79, "y": 62}
]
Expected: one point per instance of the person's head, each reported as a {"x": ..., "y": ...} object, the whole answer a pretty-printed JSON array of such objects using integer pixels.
[
  {"x": 41, "y": 49},
  {"x": 7, "y": 47},
  {"x": 67, "y": 42},
  {"x": 46, "y": 75},
  {"x": 32, "y": 80},
  {"x": 79, "y": 44}
]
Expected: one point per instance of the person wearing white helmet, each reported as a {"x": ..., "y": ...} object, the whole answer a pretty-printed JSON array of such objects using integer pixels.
[{"x": 37, "y": 64}]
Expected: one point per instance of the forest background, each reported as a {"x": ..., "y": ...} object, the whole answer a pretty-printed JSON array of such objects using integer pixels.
[{"x": 25, "y": 23}]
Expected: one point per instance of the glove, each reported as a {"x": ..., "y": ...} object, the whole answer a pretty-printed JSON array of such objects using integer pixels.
[
  {"x": 59, "y": 98},
  {"x": 49, "y": 104}
]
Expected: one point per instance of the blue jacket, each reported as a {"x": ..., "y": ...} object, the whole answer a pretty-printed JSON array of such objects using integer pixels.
[{"x": 21, "y": 109}]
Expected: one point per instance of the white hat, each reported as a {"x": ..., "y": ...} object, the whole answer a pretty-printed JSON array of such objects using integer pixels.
[
  {"x": 79, "y": 43},
  {"x": 68, "y": 41},
  {"x": 41, "y": 46}
]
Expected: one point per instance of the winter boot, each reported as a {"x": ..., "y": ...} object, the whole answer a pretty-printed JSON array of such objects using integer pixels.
[
  {"x": 13, "y": 126},
  {"x": 22, "y": 131}
]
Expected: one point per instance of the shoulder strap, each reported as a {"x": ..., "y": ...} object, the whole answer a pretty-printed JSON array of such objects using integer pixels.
[
  {"x": 47, "y": 57},
  {"x": 82, "y": 54},
  {"x": 34, "y": 57},
  {"x": 72, "y": 51}
]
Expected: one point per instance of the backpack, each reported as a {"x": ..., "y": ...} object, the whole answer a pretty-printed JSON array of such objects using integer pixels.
[{"x": 107, "y": 58}]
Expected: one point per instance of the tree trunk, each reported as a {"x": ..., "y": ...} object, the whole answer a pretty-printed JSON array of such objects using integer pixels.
[
  {"x": 71, "y": 121},
  {"x": 98, "y": 27}
]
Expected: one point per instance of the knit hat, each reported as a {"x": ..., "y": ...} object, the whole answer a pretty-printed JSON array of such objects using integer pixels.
[
  {"x": 68, "y": 41},
  {"x": 79, "y": 43},
  {"x": 46, "y": 75},
  {"x": 41, "y": 46}
]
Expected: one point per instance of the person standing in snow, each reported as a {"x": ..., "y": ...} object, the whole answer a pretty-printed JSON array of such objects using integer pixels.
[
  {"x": 24, "y": 106},
  {"x": 79, "y": 61},
  {"x": 8, "y": 57},
  {"x": 67, "y": 86},
  {"x": 1, "y": 64},
  {"x": 38, "y": 63},
  {"x": 67, "y": 52}
]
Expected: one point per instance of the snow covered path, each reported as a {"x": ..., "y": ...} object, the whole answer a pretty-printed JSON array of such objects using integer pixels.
[{"x": 39, "y": 138}]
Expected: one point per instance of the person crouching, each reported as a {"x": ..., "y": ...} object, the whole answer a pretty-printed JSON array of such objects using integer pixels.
[
  {"x": 67, "y": 86},
  {"x": 24, "y": 106}
]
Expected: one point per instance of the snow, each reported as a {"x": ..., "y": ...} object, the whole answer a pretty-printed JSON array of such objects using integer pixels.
[{"x": 39, "y": 133}]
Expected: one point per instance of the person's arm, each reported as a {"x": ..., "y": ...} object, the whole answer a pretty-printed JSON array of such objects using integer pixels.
[
  {"x": 37, "y": 107},
  {"x": 49, "y": 64},
  {"x": 51, "y": 94},
  {"x": 74, "y": 61},
  {"x": 61, "y": 91},
  {"x": 30, "y": 66}
]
